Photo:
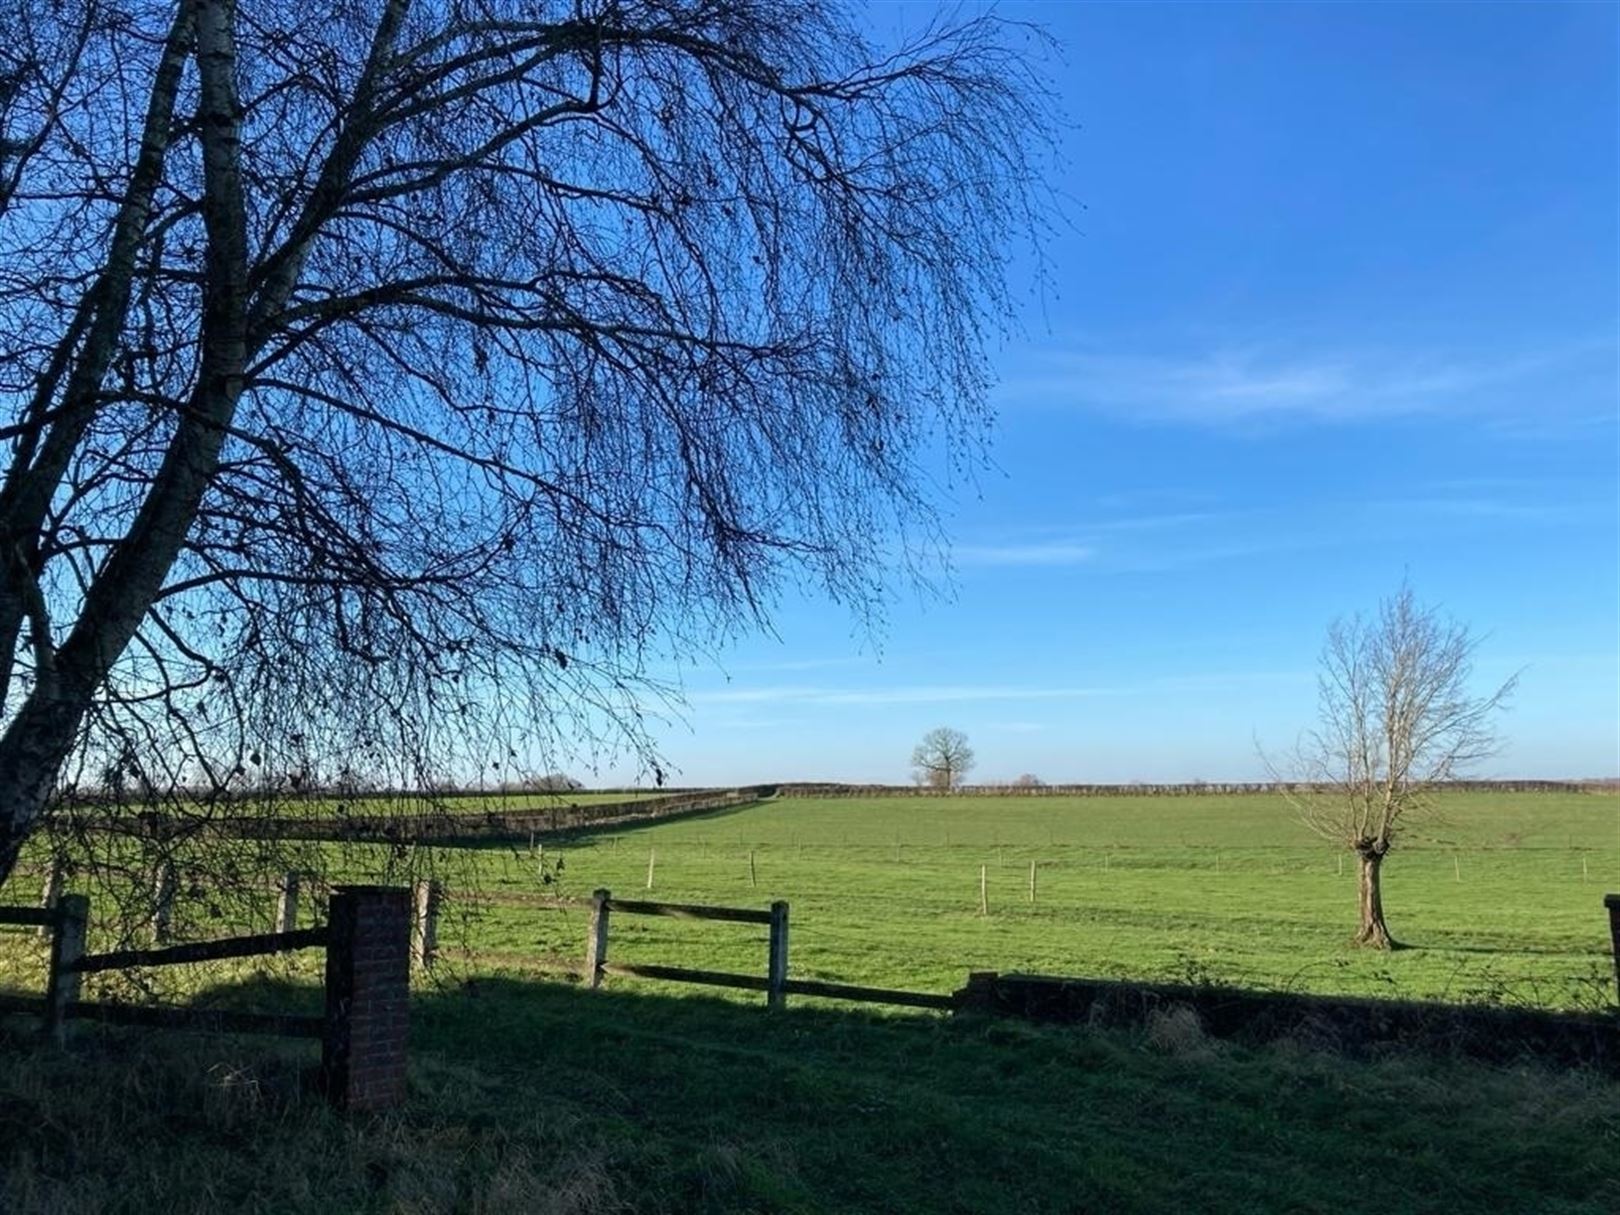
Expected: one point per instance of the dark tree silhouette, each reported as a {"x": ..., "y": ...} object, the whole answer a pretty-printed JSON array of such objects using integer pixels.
[{"x": 385, "y": 382}]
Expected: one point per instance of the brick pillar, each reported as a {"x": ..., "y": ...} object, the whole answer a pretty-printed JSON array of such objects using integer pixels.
[
  {"x": 1612, "y": 902},
  {"x": 368, "y": 984}
]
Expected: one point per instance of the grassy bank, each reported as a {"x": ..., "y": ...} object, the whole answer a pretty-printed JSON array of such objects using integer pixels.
[{"x": 541, "y": 1097}]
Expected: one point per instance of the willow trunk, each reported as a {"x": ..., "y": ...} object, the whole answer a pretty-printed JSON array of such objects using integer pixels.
[{"x": 1372, "y": 931}]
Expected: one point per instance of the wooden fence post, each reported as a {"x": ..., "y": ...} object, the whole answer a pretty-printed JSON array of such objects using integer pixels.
[
  {"x": 1612, "y": 902},
  {"x": 596, "y": 944},
  {"x": 67, "y": 947},
  {"x": 1032, "y": 881},
  {"x": 984, "y": 892},
  {"x": 425, "y": 925},
  {"x": 368, "y": 990},
  {"x": 287, "y": 902},
  {"x": 753, "y": 877},
  {"x": 52, "y": 892},
  {"x": 777, "y": 969},
  {"x": 163, "y": 885},
  {"x": 652, "y": 859}
]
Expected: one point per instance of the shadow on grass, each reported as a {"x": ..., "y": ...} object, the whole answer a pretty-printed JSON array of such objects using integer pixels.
[{"x": 543, "y": 1096}]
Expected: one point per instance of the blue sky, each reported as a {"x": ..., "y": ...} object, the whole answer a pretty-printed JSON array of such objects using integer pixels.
[{"x": 1337, "y": 306}]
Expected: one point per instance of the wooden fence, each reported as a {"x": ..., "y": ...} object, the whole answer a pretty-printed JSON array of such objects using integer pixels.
[
  {"x": 775, "y": 983},
  {"x": 1142, "y": 789},
  {"x": 367, "y": 939}
]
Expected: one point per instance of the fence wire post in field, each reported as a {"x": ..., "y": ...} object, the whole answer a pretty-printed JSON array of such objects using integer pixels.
[
  {"x": 777, "y": 969},
  {"x": 1032, "y": 881},
  {"x": 53, "y": 891},
  {"x": 984, "y": 890},
  {"x": 287, "y": 902},
  {"x": 652, "y": 859},
  {"x": 596, "y": 943},
  {"x": 162, "y": 901},
  {"x": 753, "y": 877},
  {"x": 425, "y": 922},
  {"x": 67, "y": 947},
  {"x": 1456, "y": 867},
  {"x": 1341, "y": 864}
]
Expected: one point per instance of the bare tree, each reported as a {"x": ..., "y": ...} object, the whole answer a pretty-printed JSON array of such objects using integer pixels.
[
  {"x": 942, "y": 759},
  {"x": 1397, "y": 718},
  {"x": 386, "y": 381}
]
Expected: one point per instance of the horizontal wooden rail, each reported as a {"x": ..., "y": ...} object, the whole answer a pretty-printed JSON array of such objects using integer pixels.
[
  {"x": 203, "y": 951},
  {"x": 33, "y": 1005},
  {"x": 681, "y": 974},
  {"x": 211, "y": 1020},
  {"x": 46, "y": 916},
  {"x": 868, "y": 995},
  {"x": 688, "y": 911}
]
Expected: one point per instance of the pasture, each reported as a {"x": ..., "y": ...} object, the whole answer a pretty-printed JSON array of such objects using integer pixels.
[
  {"x": 537, "y": 1095},
  {"x": 1498, "y": 895}
]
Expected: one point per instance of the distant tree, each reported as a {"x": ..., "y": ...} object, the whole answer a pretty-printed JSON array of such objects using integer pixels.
[
  {"x": 1397, "y": 717},
  {"x": 553, "y": 782},
  {"x": 942, "y": 759},
  {"x": 1028, "y": 780}
]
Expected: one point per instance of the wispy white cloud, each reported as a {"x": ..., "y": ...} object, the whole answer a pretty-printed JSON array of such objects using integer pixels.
[
  {"x": 1500, "y": 509},
  {"x": 1238, "y": 384},
  {"x": 929, "y": 694},
  {"x": 1049, "y": 553},
  {"x": 916, "y": 694}
]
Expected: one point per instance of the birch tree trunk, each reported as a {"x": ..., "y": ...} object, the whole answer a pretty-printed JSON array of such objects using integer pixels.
[{"x": 385, "y": 384}]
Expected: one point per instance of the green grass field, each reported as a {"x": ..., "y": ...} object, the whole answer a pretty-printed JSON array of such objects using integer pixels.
[
  {"x": 536, "y": 1095},
  {"x": 1499, "y": 896}
]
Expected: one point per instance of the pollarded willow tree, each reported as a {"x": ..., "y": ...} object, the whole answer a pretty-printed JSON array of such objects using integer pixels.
[
  {"x": 385, "y": 381},
  {"x": 1398, "y": 717}
]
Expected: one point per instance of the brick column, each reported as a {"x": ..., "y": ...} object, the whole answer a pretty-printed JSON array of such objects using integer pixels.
[
  {"x": 1612, "y": 902},
  {"x": 368, "y": 984}
]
